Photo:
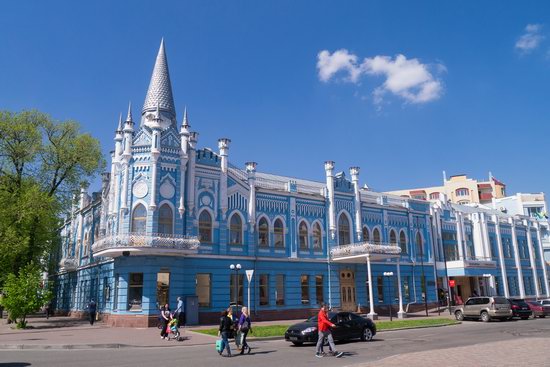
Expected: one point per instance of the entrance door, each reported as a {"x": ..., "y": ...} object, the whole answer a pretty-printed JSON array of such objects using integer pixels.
[{"x": 347, "y": 290}]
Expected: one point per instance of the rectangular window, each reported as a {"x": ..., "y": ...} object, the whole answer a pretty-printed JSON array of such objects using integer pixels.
[
  {"x": 203, "y": 284},
  {"x": 236, "y": 283},
  {"x": 406, "y": 289},
  {"x": 117, "y": 285},
  {"x": 163, "y": 288},
  {"x": 380, "y": 284},
  {"x": 135, "y": 291},
  {"x": 319, "y": 289},
  {"x": 280, "y": 289},
  {"x": 264, "y": 289},
  {"x": 304, "y": 282}
]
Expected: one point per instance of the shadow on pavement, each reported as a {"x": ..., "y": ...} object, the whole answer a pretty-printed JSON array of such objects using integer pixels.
[{"x": 14, "y": 364}]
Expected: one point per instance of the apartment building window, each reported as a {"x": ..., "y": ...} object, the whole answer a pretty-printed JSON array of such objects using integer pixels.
[
  {"x": 303, "y": 235},
  {"x": 166, "y": 219},
  {"x": 317, "y": 237},
  {"x": 135, "y": 291},
  {"x": 205, "y": 227},
  {"x": 280, "y": 290},
  {"x": 263, "y": 233},
  {"x": 203, "y": 285},
  {"x": 304, "y": 282},
  {"x": 434, "y": 196},
  {"x": 279, "y": 233},
  {"x": 236, "y": 230},
  {"x": 403, "y": 242},
  {"x": 462, "y": 192},
  {"x": 376, "y": 236},
  {"x": 139, "y": 219},
  {"x": 380, "y": 286},
  {"x": 264, "y": 289},
  {"x": 451, "y": 252},
  {"x": 366, "y": 234},
  {"x": 393, "y": 238},
  {"x": 319, "y": 291}
]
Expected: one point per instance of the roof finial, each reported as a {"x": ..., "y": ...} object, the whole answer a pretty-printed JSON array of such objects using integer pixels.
[
  {"x": 129, "y": 116},
  {"x": 119, "y": 128},
  {"x": 185, "y": 119}
]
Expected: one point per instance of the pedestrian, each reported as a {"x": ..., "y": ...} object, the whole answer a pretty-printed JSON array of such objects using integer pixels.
[
  {"x": 226, "y": 327},
  {"x": 47, "y": 309},
  {"x": 165, "y": 317},
  {"x": 179, "y": 314},
  {"x": 323, "y": 327},
  {"x": 244, "y": 325},
  {"x": 91, "y": 311}
]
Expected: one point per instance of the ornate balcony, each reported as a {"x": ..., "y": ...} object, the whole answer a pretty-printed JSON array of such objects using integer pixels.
[
  {"x": 146, "y": 244},
  {"x": 357, "y": 252},
  {"x": 68, "y": 264}
]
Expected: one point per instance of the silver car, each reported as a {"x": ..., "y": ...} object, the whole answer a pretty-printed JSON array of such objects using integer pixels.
[{"x": 484, "y": 308}]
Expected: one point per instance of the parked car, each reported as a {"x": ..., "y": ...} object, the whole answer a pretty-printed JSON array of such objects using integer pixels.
[
  {"x": 538, "y": 309},
  {"x": 520, "y": 308},
  {"x": 484, "y": 308},
  {"x": 349, "y": 326},
  {"x": 545, "y": 302}
]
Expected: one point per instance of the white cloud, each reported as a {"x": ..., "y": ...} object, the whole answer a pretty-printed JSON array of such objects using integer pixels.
[
  {"x": 531, "y": 39},
  {"x": 406, "y": 78}
]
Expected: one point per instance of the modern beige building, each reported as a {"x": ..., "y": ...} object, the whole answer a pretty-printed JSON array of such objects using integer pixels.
[{"x": 459, "y": 189}]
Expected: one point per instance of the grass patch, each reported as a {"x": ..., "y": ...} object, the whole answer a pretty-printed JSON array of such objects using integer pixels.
[{"x": 279, "y": 330}]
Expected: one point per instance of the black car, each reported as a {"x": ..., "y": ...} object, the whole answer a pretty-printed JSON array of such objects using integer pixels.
[
  {"x": 520, "y": 308},
  {"x": 349, "y": 326}
]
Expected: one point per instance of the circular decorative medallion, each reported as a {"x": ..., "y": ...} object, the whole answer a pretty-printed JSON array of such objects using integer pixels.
[
  {"x": 140, "y": 189},
  {"x": 167, "y": 190},
  {"x": 205, "y": 200}
]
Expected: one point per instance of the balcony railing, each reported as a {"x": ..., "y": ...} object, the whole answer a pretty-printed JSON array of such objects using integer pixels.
[
  {"x": 365, "y": 248},
  {"x": 68, "y": 263},
  {"x": 146, "y": 241}
]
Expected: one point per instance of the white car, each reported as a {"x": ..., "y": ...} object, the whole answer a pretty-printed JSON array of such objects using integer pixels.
[{"x": 545, "y": 302}]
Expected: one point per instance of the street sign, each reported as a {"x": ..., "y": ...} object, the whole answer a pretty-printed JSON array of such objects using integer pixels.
[
  {"x": 452, "y": 283},
  {"x": 249, "y": 275}
]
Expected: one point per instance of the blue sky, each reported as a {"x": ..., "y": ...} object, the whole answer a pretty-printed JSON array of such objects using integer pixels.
[{"x": 470, "y": 95}]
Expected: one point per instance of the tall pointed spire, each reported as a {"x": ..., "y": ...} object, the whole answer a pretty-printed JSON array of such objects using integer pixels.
[
  {"x": 185, "y": 122},
  {"x": 129, "y": 116},
  {"x": 160, "y": 89},
  {"x": 119, "y": 128}
]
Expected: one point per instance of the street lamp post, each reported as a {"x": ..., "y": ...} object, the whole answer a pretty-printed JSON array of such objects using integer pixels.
[
  {"x": 236, "y": 268},
  {"x": 389, "y": 275}
]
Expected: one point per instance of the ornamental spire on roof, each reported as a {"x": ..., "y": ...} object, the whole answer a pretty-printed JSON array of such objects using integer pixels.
[
  {"x": 129, "y": 116},
  {"x": 160, "y": 89}
]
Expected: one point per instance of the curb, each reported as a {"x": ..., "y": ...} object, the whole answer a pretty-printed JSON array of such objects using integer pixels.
[{"x": 121, "y": 346}]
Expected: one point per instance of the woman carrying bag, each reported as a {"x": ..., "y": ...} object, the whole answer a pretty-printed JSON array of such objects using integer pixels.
[{"x": 245, "y": 325}]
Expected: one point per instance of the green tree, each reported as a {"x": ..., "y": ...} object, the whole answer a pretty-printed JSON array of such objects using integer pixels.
[
  {"x": 24, "y": 294},
  {"x": 42, "y": 162}
]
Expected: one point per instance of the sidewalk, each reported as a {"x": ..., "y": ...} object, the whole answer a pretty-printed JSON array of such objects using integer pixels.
[{"x": 69, "y": 333}]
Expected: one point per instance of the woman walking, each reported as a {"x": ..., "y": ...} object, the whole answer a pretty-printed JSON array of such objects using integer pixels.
[
  {"x": 245, "y": 326},
  {"x": 164, "y": 319},
  {"x": 226, "y": 326}
]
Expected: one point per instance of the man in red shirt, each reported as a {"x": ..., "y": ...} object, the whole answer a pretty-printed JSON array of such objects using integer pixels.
[{"x": 323, "y": 330}]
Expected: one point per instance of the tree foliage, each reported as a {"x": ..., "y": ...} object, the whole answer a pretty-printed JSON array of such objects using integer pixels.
[
  {"x": 42, "y": 163},
  {"x": 24, "y": 293}
]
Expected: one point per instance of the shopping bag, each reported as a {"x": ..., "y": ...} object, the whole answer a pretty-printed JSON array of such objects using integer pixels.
[{"x": 219, "y": 345}]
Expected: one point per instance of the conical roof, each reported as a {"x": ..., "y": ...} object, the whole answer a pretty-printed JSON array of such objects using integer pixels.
[{"x": 160, "y": 89}]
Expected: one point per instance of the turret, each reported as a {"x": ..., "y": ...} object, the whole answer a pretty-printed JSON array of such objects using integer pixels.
[
  {"x": 223, "y": 145},
  {"x": 251, "y": 171},
  {"x": 329, "y": 169},
  {"x": 184, "y": 158}
]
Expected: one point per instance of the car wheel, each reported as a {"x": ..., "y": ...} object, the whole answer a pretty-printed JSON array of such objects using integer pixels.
[
  {"x": 297, "y": 343},
  {"x": 542, "y": 316},
  {"x": 485, "y": 317},
  {"x": 525, "y": 318},
  {"x": 459, "y": 315},
  {"x": 366, "y": 335}
]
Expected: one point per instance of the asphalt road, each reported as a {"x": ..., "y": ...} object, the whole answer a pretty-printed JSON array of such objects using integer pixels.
[{"x": 277, "y": 353}]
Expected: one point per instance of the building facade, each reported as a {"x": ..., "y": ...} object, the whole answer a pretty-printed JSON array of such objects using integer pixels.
[{"x": 173, "y": 219}]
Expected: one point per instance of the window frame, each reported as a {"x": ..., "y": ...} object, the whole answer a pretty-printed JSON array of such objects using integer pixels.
[
  {"x": 203, "y": 227},
  {"x": 236, "y": 228},
  {"x": 344, "y": 230},
  {"x": 303, "y": 235},
  {"x": 163, "y": 220},
  {"x": 279, "y": 234}
]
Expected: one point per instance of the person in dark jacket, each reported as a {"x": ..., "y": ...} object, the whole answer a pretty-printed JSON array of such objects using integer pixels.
[
  {"x": 245, "y": 325},
  {"x": 226, "y": 327},
  {"x": 92, "y": 308},
  {"x": 165, "y": 317}
]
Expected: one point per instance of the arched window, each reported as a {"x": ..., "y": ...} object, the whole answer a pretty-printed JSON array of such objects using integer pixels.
[
  {"x": 85, "y": 244},
  {"x": 393, "y": 238},
  {"x": 403, "y": 242},
  {"x": 139, "y": 219},
  {"x": 419, "y": 248},
  {"x": 343, "y": 230},
  {"x": 166, "y": 219},
  {"x": 236, "y": 230},
  {"x": 303, "y": 234},
  {"x": 205, "y": 227},
  {"x": 366, "y": 234},
  {"x": 279, "y": 234},
  {"x": 462, "y": 192},
  {"x": 263, "y": 233},
  {"x": 376, "y": 236},
  {"x": 434, "y": 196},
  {"x": 317, "y": 236}
]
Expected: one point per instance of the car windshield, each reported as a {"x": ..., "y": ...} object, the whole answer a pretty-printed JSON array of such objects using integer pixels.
[
  {"x": 314, "y": 318},
  {"x": 501, "y": 300}
]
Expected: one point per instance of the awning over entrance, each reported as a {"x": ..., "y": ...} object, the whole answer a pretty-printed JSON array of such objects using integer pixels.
[{"x": 357, "y": 252}]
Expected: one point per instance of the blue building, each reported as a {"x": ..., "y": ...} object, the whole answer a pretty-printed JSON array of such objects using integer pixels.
[{"x": 173, "y": 219}]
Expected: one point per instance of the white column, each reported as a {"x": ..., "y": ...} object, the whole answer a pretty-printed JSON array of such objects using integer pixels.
[
  {"x": 516, "y": 256},
  {"x": 223, "y": 145},
  {"x": 501, "y": 257},
  {"x": 112, "y": 185},
  {"x": 532, "y": 257},
  {"x": 251, "y": 170},
  {"x": 329, "y": 167},
  {"x": 354, "y": 172},
  {"x": 155, "y": 153},
  {"x": 401, "y": 314},
  {"x": 459, "y": 236},
  {"x": 191, "y": 173},
  {"x": 124, "y": 194},
  {"x": 543, "y": 263},
  {"x": 371, "y": 314}
]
